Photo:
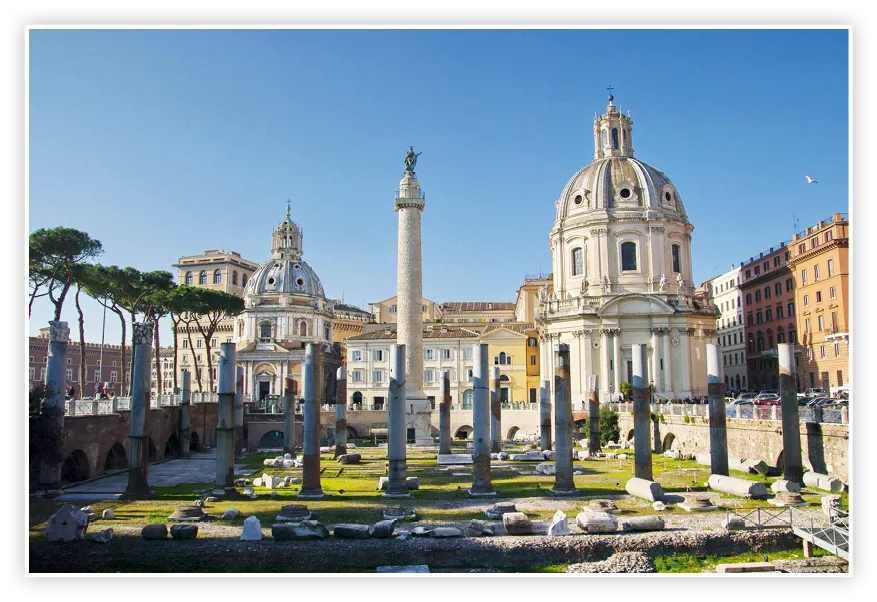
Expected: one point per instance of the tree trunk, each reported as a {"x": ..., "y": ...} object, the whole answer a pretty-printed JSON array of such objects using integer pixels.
[
  {"x": 129, "y": 370},
  {"x": 175, "y": 324},
  {"x": 157, "y": 357},
  {"x": 208, "y": 336},
  {"x": 59, "y": 303},
  {"x": 82, "y": 375},
  {"x": 194, "y": 356},
  {"x": 119, "y": 313}
]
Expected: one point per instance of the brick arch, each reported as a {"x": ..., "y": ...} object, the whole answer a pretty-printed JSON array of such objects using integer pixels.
[
  {"x": 75, "y": 467},
  {"x": 465, "y": 430},
  {"x": 115, "y": 457},
  {"x": 510, "y": 434},
  {"x": 669, "y": 440}
]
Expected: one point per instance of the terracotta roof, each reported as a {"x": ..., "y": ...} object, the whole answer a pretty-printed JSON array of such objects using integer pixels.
[
  {"x": 477, "y": 306},
  {"x": 432, "y": 331}
]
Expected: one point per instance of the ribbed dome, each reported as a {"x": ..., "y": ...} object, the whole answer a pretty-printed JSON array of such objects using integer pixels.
[
  {"x": 619, "y": 183},
  {"x": 280, "y": 276}
]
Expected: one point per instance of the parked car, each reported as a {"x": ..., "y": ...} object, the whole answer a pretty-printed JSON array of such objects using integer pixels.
[
  {"x": 819, "y": 402},
  {"x": 747, "y": 395},
  {"x": 767, "y": 400},
  {"x": 814, "y": 392},
  {"x": 743, "y": 402}
]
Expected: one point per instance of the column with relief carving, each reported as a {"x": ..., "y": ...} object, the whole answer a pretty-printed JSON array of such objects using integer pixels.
[
  {"x": 669, "y": 349},
  {"x": 656, "y": 358},
  {"x": 605, "y": 351},
  {"x": 616, "y": 358}
]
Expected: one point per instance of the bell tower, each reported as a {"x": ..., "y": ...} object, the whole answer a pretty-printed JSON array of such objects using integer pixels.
[
  {"x": 286, "y": 239},
  {"x": 613, "y": 133}
]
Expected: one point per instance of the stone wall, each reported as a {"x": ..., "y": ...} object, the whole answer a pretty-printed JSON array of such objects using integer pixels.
[{"x": 824, "y": 447}]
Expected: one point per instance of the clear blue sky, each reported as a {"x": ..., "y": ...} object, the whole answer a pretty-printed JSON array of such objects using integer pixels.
[{"x": 164, "y": 143}]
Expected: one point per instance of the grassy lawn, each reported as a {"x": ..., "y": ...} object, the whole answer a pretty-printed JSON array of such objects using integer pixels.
[{"x": 686, "y": 563}]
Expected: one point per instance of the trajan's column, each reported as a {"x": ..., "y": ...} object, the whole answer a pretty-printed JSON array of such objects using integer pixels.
[{"x": 410, "y": 203}]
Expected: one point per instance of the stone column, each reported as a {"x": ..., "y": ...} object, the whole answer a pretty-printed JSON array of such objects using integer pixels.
[
  {"x": 445, "y": 415},
  {"x": 616, "y": 359},
  {"x": 341, "y": 411},
  {"x": 397, "y": 435},
  {"x": 185, "y": 416},
  {"x": 138, "y": 483},
  {"x": 793, "y": 470},
  {"x": 289, "y": 423},
  {"x": 685, "y": 360},
  {"x": 545, "y": 415},
  {"x": 642, "y": 451},
  {"x": 716, "y": 390},
  {"x": 53, "y": 405},
  {"x": 481, "y": 478},
  {"x": 593, "y": 416},
  {"x": 606, "y": 353},
  {"x": 668, "y": 364},
  {"x": 495, "y": 412},
  {"x": 310, "y": 486},
  {"x": 225, "y": 420},
  {"x": 239, "y": 411},
  {"x": 563, "y": 478},
  {"x": 409, "y": 283},
  {"x": 656, "y": 358}
]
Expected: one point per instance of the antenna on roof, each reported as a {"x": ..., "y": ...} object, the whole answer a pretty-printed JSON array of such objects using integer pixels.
[{"x": 795, "y": 223}]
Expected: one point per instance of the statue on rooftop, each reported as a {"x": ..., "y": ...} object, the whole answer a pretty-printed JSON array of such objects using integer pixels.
[{"x": 411, "y": 159}]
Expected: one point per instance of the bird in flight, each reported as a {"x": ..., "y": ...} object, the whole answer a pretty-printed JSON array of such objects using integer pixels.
[{"x": 811, "y": 180}]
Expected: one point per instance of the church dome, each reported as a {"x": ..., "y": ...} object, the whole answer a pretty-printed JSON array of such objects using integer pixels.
[
  {"x": 285, "y": 273},
  {"x": 616, "y": 180},
  {"x": 285, "y": 276}
]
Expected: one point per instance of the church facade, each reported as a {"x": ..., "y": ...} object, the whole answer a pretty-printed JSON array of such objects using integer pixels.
[
  {"x": 285, "y": 308},
  {"x": 622, "y": 275}
]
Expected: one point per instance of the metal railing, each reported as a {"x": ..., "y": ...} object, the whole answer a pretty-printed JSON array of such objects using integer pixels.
[
  {"x": 763, "y": 518},
  {"x": 744, "y": 412}
]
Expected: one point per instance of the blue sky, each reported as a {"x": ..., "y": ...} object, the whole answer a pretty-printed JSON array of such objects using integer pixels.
[{"x": 163, "y": 143}]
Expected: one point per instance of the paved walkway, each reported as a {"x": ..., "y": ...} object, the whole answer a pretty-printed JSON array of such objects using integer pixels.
[{"x": 199, "y": 468}]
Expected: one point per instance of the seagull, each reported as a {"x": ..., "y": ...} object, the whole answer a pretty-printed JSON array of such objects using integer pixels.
[{"x": 811, "y": 180}]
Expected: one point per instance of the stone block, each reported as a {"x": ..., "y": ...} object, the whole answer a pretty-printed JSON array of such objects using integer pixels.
[
  {"x": 102, "y": 536},
  {"x": 382, "y": 529},
  {"x": 154, "y": 532},
  {"x": 446, "y": 532},
  {"x": 602, "y": 506},
  {"x": 746, "y": 567},
  {"x": 249, "y": 490},
  {"x": 412, "y": 482},
  {"x": 823, "y": 481},
  {"x": 530, "y": 456},
  {"x": 184, "y": 531},
  {"x": 497, "y": 510},
  {"x": 252, "y": 529},
  {"x": 478, "y": 528},
  {"x": 349, "y": 458},
  {"x": 517, "y": 523},
  {"x": 830, "y": 503},
  {"x": 305, "y": 530},
  {"x": 351, "y": 531},
  {"x": 108, "y": 514},
  {"x": 546, "y": 469},
  {"x": 549, "y": 454},
  {"x": 414, "y": 568},
  {"x": 738, "y": 487},
  {"x": 597, "y": 522},
  {"x": 503, "y": 455},
  {"x": 783, "y": 485},
  {"x": 559, "y": 525},
  {"x": 647, "y": 490},
  {"x": 732, "y": 522},
  {"x": 230, "y": 514},
  {"x": 383, "y": 483},
  {"x": 644, "y": 523},
  {"x": 421, "y": 531},
  {"x": 672, "y": 454}
]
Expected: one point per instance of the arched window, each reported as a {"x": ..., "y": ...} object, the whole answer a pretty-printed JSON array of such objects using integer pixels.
[
  {"x": 217, "y": 277},
  {"x": 605, "y": 139},
  {"x": 628, "y": 256},
  {"x": 614, "y": 138},
  {"x": 302, "y": 329},
  {"x": 189, "y": 278},
  {"x": 234, "y": 277},
  {"x": 502, "y": 357},
  {"x": 578, "y": 255},
  {"x": 781, "y": 335},
  {"x": 357, "y": 399},
  {"x": 674, "y": 252},
  {"x": 243, "y": 280},
  {"x": 202, "y": 277}
]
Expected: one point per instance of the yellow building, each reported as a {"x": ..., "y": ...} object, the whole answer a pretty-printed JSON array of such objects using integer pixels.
[
  {"x": 820, "y": 263},
  {"x": 220, "y": 270},
  {"x": 385, "y": 312},
  {"x": 477, "y": 312},
  {"x": 527, "y": 297},
  {"x": 347, "y": 321}
]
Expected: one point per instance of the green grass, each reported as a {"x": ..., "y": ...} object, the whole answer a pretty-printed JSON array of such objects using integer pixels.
[{"x": 688, "y": 563}]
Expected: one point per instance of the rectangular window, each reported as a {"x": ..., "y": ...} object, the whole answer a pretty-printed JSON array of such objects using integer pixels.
[
  {"x": 766, "y": 266},
  {"x": 828, "y": 236},
  {"x": 748, "y": 275},
  {"x": 69, "y": 375},
  {"x": 533, "y": 396},
  {"x": 31, "y": 373},
  {"x": 776, "y": 261},
  {"x": 837, "y": 350},
  {"x": 467, "y": 353},
  {"x": 834, "y": 321},
  {"x": 767, "y": 292},
  {"x": 430, "y": 354},
  {"x": 532, "y": 360},
  {"x": 96, "y": 375},
  {"x": 356, "y": 376},
  {"x": 748, "y": 299},
  {"x": 778, "y": 289},
  {"x": 469, "y": 375},
  {"x": 199, "y": 343},
  {"x": 831, "y": 292},
  {"x": 428, "y": 376},
  {"x": 392, "y": 309},
  {"x": 577, "y": 261},
  {"x": 814, "y": 242},
  {"x": 185, "y": 343},
  {"x": 768, "y": 315},
  {"x": 675, "y": 254},
  {"x": 816, "y": 273},
  {"x": 779, "y": 312},
  {"x": 749, "y": 319},
  {"x": 802, "y": 248},
  {"x": 628, "y": 256},
  {"x": 803, "y": 276},
  {"x": 819, "y": 296},
  {"x": 758, "y": 317},
  {"x": 423, "y": 309},
  {"x": 822, "y": 351},
  {"x": 840, "y": 378},
  {"x": 113, "y": 376},
  {"x": 820, "y": 321},
  {"x": 357, "y": 356},
  {"x": 806, "y": 300},
  {"x": 213, "y": 343},
  {"x": 831, "y": 267},
  {"x": 757, "y": 296},
  {"x": 807, "y": 326},
  {"x": 791, "y": 309},
  {"x": 790, "y": 284},
  {"x": 447, "y": 354},
  {"x": 378, "y": 355},
  {"x": 42, "y": 374},
  {"x": 378, "y": 376},
  {"x": 114, "y": 363},
  {"x": 757, "y": 270}
]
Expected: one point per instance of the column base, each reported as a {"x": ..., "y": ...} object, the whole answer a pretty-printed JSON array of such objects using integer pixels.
[
  {"x": 566, "y": 492},
  {"x": 314, "y": 494},
  {"x": 424, "y": 442},
  {"x": 395, "y": 494},
  {"x": 481, "y": 493},
  {"x": 226, "y": 492}
]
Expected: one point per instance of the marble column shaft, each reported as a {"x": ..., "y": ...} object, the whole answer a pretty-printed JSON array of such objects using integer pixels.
[
  {"x": 642, "y": 451},
  {"x": 239, "y": 411},
  {"x": 481, "y": 477},
  {"x": 616, "y": 360},
  {"x": 225, "y": 426},
  {"x": 445, "y": 414},
  {"x": 289, "y": 423},
  {"x": 606, "y": 353},
  {"x": 563, "y": 477},
  {"x": 56, "y": 382},
  {"x": 185, "y": 435},
  {"x": 718, "y": 419},
  {"x": 310, "y": 487},
  {"x": 668, "y": 365},
  {"x": 793, "y": 469},
  {"x": 656, "y": 359},
  {"x": 545, "y": 414},
  {"x": 341, "y": 411},
  {"x": 495, "y": 412},
  {"x": 594, "y": 445},
  {"x": 397, "y": 432},
  {"x": 138, "y": 483}
]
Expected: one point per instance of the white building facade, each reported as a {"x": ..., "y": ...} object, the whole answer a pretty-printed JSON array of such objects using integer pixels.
[
  {"x": 725, "y": 291},
  {"x": 621, "y": 253}
]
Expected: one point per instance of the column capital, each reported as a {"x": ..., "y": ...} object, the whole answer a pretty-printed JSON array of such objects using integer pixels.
[
  {"x": 599, "y": 231},
  {"x": 707, "y": 332},
  {"x": 608, "y": 331},
  {"x": 59, "y": 332},
  {"x": 659, "y": 330},
  {"x": 656, "y": 228},
  {"x": 685, "y": 331},
  {"x": 143, "y": 333}
]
